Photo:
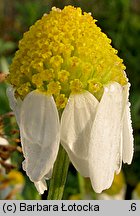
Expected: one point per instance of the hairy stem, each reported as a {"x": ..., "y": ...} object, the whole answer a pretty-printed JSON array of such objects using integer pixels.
[{"x": 59, "y": 175}]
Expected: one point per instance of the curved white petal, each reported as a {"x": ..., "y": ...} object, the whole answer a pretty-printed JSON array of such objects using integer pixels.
[
  {"x": 105, "y": 140},
  {"x": 15, "y": 104},
  {"x": 40, "y": 134},
  {"x": 41, "y": 186},
  {"x": 76, "y": 122},
  {"x": 128, "y": 140},
  {"x": 119, "y": 154}
]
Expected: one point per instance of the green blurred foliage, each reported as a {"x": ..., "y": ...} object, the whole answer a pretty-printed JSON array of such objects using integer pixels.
[
  {"x": 120, "y": 20},
  {"x": 6, "y": 46},
  {"x": 4, "y": 104}
]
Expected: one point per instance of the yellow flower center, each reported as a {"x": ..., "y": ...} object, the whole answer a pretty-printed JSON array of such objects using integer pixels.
[{"x": 63, "y": 53}]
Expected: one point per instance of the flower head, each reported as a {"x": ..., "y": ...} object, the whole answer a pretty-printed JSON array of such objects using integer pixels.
[
  {"x": 66, "y": 63},
  {"x": 63, "y": 53}
]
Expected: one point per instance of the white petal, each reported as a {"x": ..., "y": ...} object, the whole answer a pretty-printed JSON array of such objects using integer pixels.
[
  {"x": 76, "y": 122},
  {"x": 15, "y": 104},
  {"x": 128, "y": 140},
  {"x": 119, "y": 154},
  {"x": 41, "y": 186},
  {"x": 105, "y": 138},
  {"x": 40, "y": 134}
]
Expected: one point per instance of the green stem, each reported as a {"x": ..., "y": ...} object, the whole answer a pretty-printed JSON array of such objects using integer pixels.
[
  {"x": 59, "y": 175},
  {"x": 81, "y": 182}
]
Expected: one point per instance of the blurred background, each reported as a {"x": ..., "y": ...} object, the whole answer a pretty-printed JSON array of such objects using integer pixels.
[{"x": 120, "y": 20}]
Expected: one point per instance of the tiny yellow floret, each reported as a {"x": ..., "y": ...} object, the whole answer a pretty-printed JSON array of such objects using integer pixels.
[
  {"x": 61, "y": 101},
  {"x": 76, "y": 86}
]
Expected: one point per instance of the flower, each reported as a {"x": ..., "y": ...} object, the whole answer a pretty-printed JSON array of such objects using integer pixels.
[{"x": 66, "y": 65}]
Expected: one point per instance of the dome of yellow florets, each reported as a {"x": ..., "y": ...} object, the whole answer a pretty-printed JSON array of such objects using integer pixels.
[{"x": 62, "y": 53}]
